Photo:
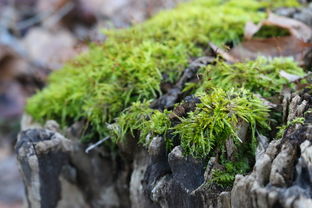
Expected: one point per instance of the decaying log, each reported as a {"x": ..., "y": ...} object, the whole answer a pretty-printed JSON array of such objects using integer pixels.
[
  {"x": 282, "y": 176},
  {"x": 57, "y": 171},
  {"x": 42, "y": 155}
]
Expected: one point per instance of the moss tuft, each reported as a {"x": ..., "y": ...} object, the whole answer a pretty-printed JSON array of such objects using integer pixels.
[
  {"x": 259, "y": 76},
  {"x": 280, "y": 3},
  {"x": 226, "y": 177},
  {"x": 283, "y": 128},
  {"x": 216, "y": 119},
  {"x": 140, "y": 119}
]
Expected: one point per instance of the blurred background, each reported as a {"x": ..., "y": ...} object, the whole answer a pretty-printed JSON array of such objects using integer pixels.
[{"x": 38, "y": 37}]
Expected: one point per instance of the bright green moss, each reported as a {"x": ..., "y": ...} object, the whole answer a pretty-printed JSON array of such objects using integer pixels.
[
  {"x": 140, "y": 121},
  {"x": 132, "y": 119},
  {"x": 109, "y": 86},
  {"x": 260, "y": 76},
  {"x": 216, "y": 119},
  {"x": 132, "y": 63},
  {"x": 281, "y": 3}
]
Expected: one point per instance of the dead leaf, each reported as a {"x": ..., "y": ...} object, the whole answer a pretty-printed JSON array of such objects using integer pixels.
[
  {"x": 288, "y": 46},
  {"x": 251, "y": 29},
  {"x": 295, "y": 28},
  {"x": 294, "y": 45}
]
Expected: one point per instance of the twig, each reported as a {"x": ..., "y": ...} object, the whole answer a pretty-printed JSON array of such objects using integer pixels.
[{"x": 93, "y": 146}]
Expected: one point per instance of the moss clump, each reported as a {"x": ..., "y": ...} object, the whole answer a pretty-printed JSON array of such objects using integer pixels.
[
  {"x": 216, "y": 119},
  {"x": 283, "y": 128},
  {"x": 225, "y": 177},
  {"x": 130, "y": 66},
  {"x": 140, "y": 121},
  {"x": 281, "y": 3},
  {"x": 260, "y": 76},
  {"x": 204, "y": 131},
  {"x": 269, "y": 31}
]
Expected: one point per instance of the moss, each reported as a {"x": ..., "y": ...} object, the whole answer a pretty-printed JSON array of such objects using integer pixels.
[
  {"x": 269, "y": 31},
  {"x": 260, "y": 76},
  {"x": 281, "y": 3},
  {"x": 130, "y": 120},
  {"x": 216, "y": 119},
  {"x": 111, "y": 86},
  {"x": 241, "y": 162},
  {"x": 130, "y": 66},
  {"x": 140, "y": 119},
  {"x": 226, "y": 177},
  {"x": 283, "y": 128}
]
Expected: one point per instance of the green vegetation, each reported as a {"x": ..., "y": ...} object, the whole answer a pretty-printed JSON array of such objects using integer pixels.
[
  {"x": 225, "y": 178},
  {"x": 283, "y": 128},
  {"x": 111, "y": 86},
  {"x": 216, "y": 119},
  {"x": 140, "y": 119},
  {"x": 280, "y": 3},
  {"x": 260, "y": 76},
  {"x": 268, "y": 31},
  {"x": 133, "y": 62}
]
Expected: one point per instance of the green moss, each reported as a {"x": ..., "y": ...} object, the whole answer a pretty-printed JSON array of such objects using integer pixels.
[
  {"x": 283, "y": 128},
  {"x": 131, "y": 64},
  {"x": 269, "y": 31},
  {"x": 241, "y": 162},
  {"x": 216, "y": 119},
  {"x": 281, "y": 3},
  {"x": 130, "y": 120},
  {"x": 260, "y": 76},
  {"x": 129, "y": 67},
  {"x": 110, "y": 87},
  {"x": 140, "y": 121},
  {"x": 225, "y": 177}
]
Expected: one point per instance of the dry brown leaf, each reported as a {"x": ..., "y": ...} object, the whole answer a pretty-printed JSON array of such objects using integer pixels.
[
  {"x": 288, "y": 46},
  {"x": 295, "y": 45},
  {"x": 296, "y": 28}
]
